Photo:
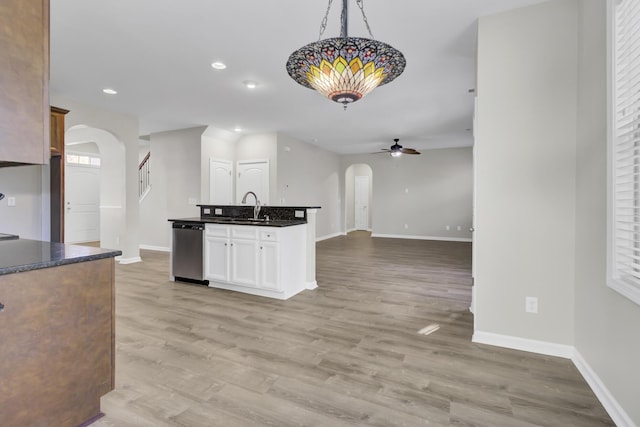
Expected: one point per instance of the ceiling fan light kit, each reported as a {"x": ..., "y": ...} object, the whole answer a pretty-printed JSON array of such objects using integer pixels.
[{"x": 345, "y": 69}]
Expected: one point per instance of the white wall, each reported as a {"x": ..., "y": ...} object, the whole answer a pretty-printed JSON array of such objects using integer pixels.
[
  {"x": 86, "y": 147},
  {"x": 175, "y": 178},
  {"x": 144, "y": 147},
  {"x": 526, "y": 156},
  {"x": 426, "y": 192},
  {"x": 606, "y": 332},
  {"x": 310, "y": 176},
  {"x": 25, "y": 219}
]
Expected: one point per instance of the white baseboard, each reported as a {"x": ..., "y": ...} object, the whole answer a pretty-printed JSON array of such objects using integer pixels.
[
  {"x": 329, "y": 236},
  {"x": 132, "y": 260},
  {"x": 404, "y": 236},
  {"x": 155, "y": 248},
  {"x": 611, "y": 405},
  {"x": 312, "y": 285},
  {"x": 517, "y": 343}
]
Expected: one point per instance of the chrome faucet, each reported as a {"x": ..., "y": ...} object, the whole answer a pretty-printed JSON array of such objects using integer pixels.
[{"x": 256, "y": 208}]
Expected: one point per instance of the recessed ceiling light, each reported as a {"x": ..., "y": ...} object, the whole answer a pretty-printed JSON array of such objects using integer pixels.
[
  {"x": 219, "y": 65},
  {"x": 250, "y": 84},
  {"x": 238, "y": 129},
  {"x": 109, "y": 91}
]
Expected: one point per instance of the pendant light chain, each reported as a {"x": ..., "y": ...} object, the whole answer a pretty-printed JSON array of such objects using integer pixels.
[
  {"x": 364, "y": 17},
  {"x": 323, "y": 25}
]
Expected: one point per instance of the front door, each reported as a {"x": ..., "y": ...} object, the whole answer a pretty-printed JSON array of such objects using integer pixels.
[{"x": 82, "y": 213}]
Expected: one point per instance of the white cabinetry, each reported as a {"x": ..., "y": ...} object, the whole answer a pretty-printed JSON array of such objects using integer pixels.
[
  {"x": 244, "y": 255},
  {"x": 265, "y": 261},
  {"x": 216, "y": 252},
  {"x": 270, "y": 260}
]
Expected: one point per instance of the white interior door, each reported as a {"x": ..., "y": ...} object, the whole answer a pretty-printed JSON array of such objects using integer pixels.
[
  {"x": 220, "y": 182},
  {"x": 82, "y": 199},
  {"x": 472, "y": 308},
  {"x": 361, "y": 200},
  {"x": 253, "y": 176}
]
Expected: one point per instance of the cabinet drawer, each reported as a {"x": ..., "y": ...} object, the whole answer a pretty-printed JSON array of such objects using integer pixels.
[
  {"x": 216, "y": 230},
  {"x": 244, "y": 232},
  {"x": 269, "y": 235}
]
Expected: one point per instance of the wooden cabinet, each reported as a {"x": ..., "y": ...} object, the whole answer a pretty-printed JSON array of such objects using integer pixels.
[
  {"x": 24, "y": 82},
  {"x": 56, "y": 173},
  {"x": 56, "y": 131},
  {"x": 57, "y": 334},
  {"x": 266, "y": 261}
]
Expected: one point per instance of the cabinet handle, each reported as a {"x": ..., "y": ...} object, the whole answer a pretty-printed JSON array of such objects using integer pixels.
[{"x": 1, "y": 306}]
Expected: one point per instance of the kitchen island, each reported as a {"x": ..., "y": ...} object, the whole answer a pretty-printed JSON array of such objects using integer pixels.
[
  {"x": 270, "y": 255},
  {"x": 57, "y": 331}
]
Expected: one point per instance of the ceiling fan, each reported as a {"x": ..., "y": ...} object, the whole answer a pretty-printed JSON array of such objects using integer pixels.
[{"x": 396, "y": 150}]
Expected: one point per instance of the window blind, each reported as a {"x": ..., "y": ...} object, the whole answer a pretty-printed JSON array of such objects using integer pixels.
[{"x": 625, "y": 152}]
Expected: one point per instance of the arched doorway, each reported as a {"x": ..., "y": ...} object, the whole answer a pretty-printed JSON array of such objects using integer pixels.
[
  {"x": 112, "y": 197},
  {"x": 358, "y": 197}
]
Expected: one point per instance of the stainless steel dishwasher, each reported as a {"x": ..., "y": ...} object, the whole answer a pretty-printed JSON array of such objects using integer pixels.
[{"x": 187, "y": 251}]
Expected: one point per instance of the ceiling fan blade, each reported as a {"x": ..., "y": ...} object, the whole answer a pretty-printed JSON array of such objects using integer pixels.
[{"x": 409, "y": 151}]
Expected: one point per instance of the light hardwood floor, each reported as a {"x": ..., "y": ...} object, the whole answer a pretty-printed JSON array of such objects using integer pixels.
[{"x": 345, "y": 354}]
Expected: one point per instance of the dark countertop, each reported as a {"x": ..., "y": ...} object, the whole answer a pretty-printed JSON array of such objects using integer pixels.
[
  {"x": 241, "y": 221},
  {"x": 25, "y": 255}
]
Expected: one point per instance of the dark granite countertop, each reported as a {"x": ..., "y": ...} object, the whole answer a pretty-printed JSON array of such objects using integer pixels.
[
  {"x": 241, "y": 221},
  {"x": 25, "y": 255}
]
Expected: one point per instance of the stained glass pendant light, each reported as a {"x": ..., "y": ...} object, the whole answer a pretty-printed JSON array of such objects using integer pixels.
[{"x": 345, "y": 69}]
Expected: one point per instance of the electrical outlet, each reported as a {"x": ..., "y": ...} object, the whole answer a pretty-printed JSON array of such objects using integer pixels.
[
  {"x": 446, "y": 227},
  {"x": 531, "y": 305},
  {"x": 459, "y": 227},
  {"x": 11, "y": 201},
  {"x": 406, "y": 226}
]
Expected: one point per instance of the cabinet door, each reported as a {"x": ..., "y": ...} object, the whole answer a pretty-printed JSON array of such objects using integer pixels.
[
  {"x": 216, "y": 259},
  {"x": 270, "y": 266},
  {"x": 24, "y": 86},
  {"x": 244, "y": 262}
]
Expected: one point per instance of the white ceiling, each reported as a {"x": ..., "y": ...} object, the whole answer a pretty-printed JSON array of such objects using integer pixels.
[{"x": 157, "y": 55}]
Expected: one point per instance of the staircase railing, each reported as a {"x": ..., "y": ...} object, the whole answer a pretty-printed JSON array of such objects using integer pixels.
[{"x": 144, "y": 176}]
